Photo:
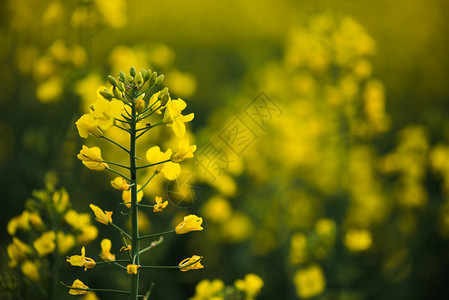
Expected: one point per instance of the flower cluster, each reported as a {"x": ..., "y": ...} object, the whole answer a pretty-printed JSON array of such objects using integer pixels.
[{"x": 134, "y": 104}]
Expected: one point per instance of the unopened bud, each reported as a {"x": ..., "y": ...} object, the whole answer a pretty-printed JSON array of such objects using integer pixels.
[
  {"x": 159, "y": 80},
  {"x": 107, "y": 94},
  {"x": 129, "y": 78},
  {"x": 164, "y": 98},
  {"x": 153, "y": 78},
  {"x": 140, "y": 106},
  {"x": 139, "y": 78},
  {"x": 112, "y": 80},
  {"x": 117, "y": 93},
  {"x": 132, "y": 72},
  {"x": 121, "y": 76},
  {"x": 144, "y": 73}
]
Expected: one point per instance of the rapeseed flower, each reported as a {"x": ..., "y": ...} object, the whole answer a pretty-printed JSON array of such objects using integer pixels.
[{"x": 190, "y": 223}]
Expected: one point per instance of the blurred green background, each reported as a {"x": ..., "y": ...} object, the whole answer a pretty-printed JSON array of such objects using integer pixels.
[{"x": 342, "y": 194}]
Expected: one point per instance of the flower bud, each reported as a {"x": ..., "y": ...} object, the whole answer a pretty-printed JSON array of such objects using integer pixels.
[
  {"x": 146, "y": 75},
  {"x": 153, "y": 78},
  {"x": 159, "y": 80},
  {"x": 121, "y": 76},
  {"x": 132, "y": 72},
  {"x": 117, "y": 94},
  {"x": 112, "y": 80},
  {"x": 129, "y": 78},
  {"x": 164, "y": 98},
  {"x": 139, "y": 78},
  {"x": 140, "y": 106},
  {"x": 107, "y": 94}
]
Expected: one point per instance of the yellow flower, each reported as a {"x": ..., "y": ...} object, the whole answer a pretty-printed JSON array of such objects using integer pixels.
[
  {"x": 61, "y": 200},
  {"x": 207, "y": 289},
  {"x": 126, "y": 196},
  {"x": 171, "y": 170},
  {"x": 45, "y": 244},
  {"x": 105, "y": 111},
  {"x": 191, "y": 263},
  {"x": 185, "y": 151},
  {"x": 80, "y": 285},
  {"x": 190, "y": 223},
  {"x": 87, "y": 235},
  {"x": 251, "y": 285},
  {"x": 65, "y": 242},
  {"x": 17, "y": 251},
  {"x": 132, "y": 269},
  {"x": 127, "y": 248},
  {"x": 91, "y": 158},
  {"x": 31, "y": 269},
  {"x": 76, "y": 220},
  {"x": 159, "y": 206},
  {"x": 174, "y": 118},
  {"x": 119, "y": 183},
  {"x": 104, "y": 217},
  {"x": 358, "y": 240},
  {"x": 309, "y": 282},
  {"x": 87, "y": 124},
  {"x": 81, "y": 260},
  {"x": 106, "y": 254}
]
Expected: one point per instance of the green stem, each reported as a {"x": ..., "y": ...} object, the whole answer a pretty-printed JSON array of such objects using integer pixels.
[
  {"x": 134, "y": 284},
  {"x": 120, "y": 146},
  {"x": 157, "y": 234},
  {"x": 116, "y": 164},
  {"x": 121, "y": 230},
  {"x": 118, "y": 173},
  {"x": 94, "y": 290},
  {"x": 124, "y": 129},
  {"x": 148, "y": 128},
  {"x": 148, "y": 181},
  {"x": 155, "y": 164}
]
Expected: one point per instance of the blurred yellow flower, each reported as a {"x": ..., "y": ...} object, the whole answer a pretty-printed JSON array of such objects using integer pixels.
[
  {"x": 45, "y": 244},
  {"x": 309, "y": 282},
  {"x": 17, "y": 251},
  {"x": 185, "y": 151},
  {"x": 132, "y": 269},
  {"x": 190, "y": 223},
  {"x": 119, "y": 183},
  {"x": 65, "y": 242},
  {"x": 126, "y": 196},
  {"x": 191, "y": 263},
  {"x": 174, "y": 118},
  {"x": 171, "y": 170},
  {"x": 61, "y": 200},
  {"x": 87, "y": 124},
  {"x": 80, "y": 285},
  {"x": 106, "y": 254},
  {"x": 159, "y": 206},
  {"x": 251, "y": 285},
  {"x": 207, "y": 289},
  {"x": 217, "y": 209},
  {"x": 88, "y": 234},
  {"x": 50, "y": 90},
  {"x": 358, "y": 240},
  {"x": 81, "y": 260},
  {"x": 31, "y": 269},
  {"x": 91, "y": 158},
  {"x": 101, "y": 216},
  {"x": 77, "y": 220}
]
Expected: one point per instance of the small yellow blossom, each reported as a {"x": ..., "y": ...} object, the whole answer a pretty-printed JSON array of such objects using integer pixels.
[
  {"x": 207, "y": 289},
  {"x": 91, "y": 158},
  {"x": 190, "y": 223},
  {"x": 191, "y": 263},
  {"x": 185, "y": 151},
  {"x": 17, "y": 251},
  {"x": 174, "y": 118},
  {"x": 45, "y": 244},
  {"x": 132, "y": 269},
  {"x": 127, "y": 248},
  {"x": 61, "y": 200},
  {"x": 80, "y": 285},
  {"x": 87, "y": 124},
  {"x": 106, "y": 254},
  {"x": 77, "y": 220},
  {"x": 309, "y": 282},
  {"x": 119, "y": 183},
  {"x": 101, "y": 216},
  {"x": 88, "y": 234},
  {"x": 81, "y": 260},
  {"x": 171, "y": 170},
  {"x": 105, "y": 111},
  {"x": 251, "y": 285},
  {"x": 126, "y": 196},
  {"x": 31, "y": 269},
  {"x": 20, "y": 222},
  {"x": 159, "y": 206}
]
